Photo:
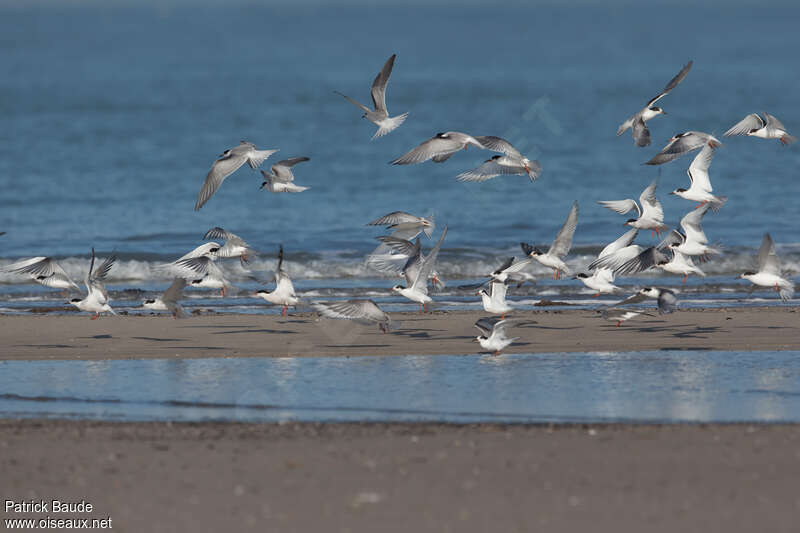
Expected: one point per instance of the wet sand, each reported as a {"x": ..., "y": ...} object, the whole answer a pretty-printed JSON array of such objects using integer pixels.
[
  {"x": 78, "y": 337},
  {"x": 398, "y": 477}
]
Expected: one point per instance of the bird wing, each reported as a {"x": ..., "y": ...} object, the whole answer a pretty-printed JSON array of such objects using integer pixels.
[
  {"x": 674, "y": 82},
  {"x": 646, "y": 259},
  {"x": 174, "y": 292},
  {"x": 378, "y": 90},
  {"x": 633, "y": 299},
  {"x": 698, "y": 170},
  {"x": 362, "y": 107},
  {"x": 192, "y": 267},
  {"x": 506, "y": 264},
  {"x": 490, "y": 169},
  {"x": 667, "y": 301},
  {"x": 428, "y": 263},
  {"x": 282, "y": 169},
  {"x": 651, "y": 207},
  {"x": 439, "y": 149},
  {"x": 773, "y": 123},
  {"x": 221, "y": 169},
  {"x": 679, "y": 145},
  {"x": 621, "y": 206},
  {"x": 498, "y": 144},
  {"x": 641, "y": 133},
  {"x": 617, "y": 259},
  {"x": 744, "y": 126},
  {"x": 399, "y": 246},
  {"x": 625, "y": 240},
  {"x": 498, "y": 292},
  {"x": 563, "y": 240},
  {"x": 35, "y": 266},
  {"x": 768, "y": 261},
  {"x": 691, "y": 224},
  {"x": 358, "y": 310},
  {"x": 396, "y": 217},
  {"x": 486, "y": 325}
]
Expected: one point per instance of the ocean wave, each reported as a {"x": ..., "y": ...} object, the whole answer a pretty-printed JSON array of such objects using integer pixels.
[{"x": 460, "y": 264}]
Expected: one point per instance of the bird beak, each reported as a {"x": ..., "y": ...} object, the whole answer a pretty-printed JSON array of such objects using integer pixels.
[{"x": 474, "y": 340}]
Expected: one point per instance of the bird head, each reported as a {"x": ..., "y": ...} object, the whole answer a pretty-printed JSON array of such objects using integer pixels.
[
  {"x": 398, "y": 288},
  {"x": 581, "y": 275},
  {"x": 746, "y": 275},
  {"x": 657, "y": 110},
  {"x": 630, "y": 222},
  {"x": 676, "y": 191}
]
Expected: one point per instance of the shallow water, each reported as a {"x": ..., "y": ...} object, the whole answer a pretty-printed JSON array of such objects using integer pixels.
[
  {"x": 114, "y": 115},
  {"x": 650, "y": 387}
]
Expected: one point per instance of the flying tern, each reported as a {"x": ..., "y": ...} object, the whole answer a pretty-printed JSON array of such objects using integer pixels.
[
  {"x": 229, "y": 162},
  {"x": 682, "y": 143},
  {"x": 637, "y": 122},
  {"x": 361, "y": 311},
  {"x": 511, "y": 162},
  {"x": 700, "y": 183},
  {"x": 769, "y": 271},
  {"x": 494, "y": 337},
  {"x": 380, "y": 116},
  {"x": 439, "y": 148},
  {"x": 281, "y": 178},
  {"x": 417, "y": 271},
  {"x": 43, "y": 270},
  {"x": 767, "y": 128},
  {"x": 169, "y": 300},
  {"x": 650, "y": 214},
  {"x": 554, "y": 257}
]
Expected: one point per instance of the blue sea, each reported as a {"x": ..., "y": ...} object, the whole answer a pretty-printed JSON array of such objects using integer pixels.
[{"x": 112, "y": 115}]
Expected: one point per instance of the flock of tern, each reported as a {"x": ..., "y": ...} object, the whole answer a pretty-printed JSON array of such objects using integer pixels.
[{"x": 400, "y": 252}]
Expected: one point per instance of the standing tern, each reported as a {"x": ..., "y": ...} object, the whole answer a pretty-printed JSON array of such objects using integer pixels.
[
  {"x": 96, "y": 300},
  {"x": 554, "y": 258},
  {"x": 439, "y": 148},
  {"x": 682, "y": 143},
  {"x": 169, "y": 300},
  {"x": 511, "y": 162},
  {"x": 380, "y": 116},
  {"x": 493, "y": 335},
  {"x": 361, "y": 311},
  {"x": 700, "y": 183},
  {"x": 284, "y": 289},
  {"x": 228, "y": 163},
  {"x": 43, "y": 270},
  {"x": 417, "y": 271},
  {"x": 234, "y": 245},
  {"x": 281, "y": 178},
  {"x": 637, "y": 122},
  {"x": 769, "y": 271},
  {"x": 767, "y": 128},
  {"x": 651, "y": 214}
]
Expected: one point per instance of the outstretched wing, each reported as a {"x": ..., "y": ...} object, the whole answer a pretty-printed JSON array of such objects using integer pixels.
[
  {"x": 744, "y": 126},
  {"x": 674, "y": 82},
  {"x": 768, "y": 261},
  {"x": 498, "y": 144},
  {"x": 563, "y": 240},
  {"x": 378, "y": 90}
]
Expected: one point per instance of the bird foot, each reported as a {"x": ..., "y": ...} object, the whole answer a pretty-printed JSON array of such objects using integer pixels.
[
  {"x": 596, "y": 295},
  {"x": 284, "y": 310},
  {"x": 95, "y": 317},
  {"x": 685, "y": 278},
  {"x": 619, "y": 323}
]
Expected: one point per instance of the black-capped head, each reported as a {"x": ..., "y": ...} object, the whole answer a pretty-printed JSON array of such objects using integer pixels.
[
  {"x": 676, "y": 191},
  {"x": 75, "y": 301},
  {"x": 581, "y": 275},
  {"x": 656, "y": 109},
  {"x": 630, "y": 221},
  {"x": 748, "y": 273},
  {"x": 150, "y": 301},
  {"x": 398, "y": 288},
  {"x": 442, "y": 135}
]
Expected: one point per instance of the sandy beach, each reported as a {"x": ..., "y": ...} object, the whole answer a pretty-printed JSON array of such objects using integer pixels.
[
  {"x": 78, "y": 337},
  {"x": 422, "y": 477}
]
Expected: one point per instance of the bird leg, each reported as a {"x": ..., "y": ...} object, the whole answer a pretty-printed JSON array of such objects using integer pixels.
[
  {"x": 96, "y": 316},
  {"x": 244, "y": 258},
  {"x": 619, "y": 323},
  {"x": 497, "y": 352},
  {"x": 596, "y": 295},
  {"x": 222, "y": 291},
  {"x": 685, "y": 277},
  {"x": 420, "y": 309},
  {"x": 502, "y": 317},
  {"x": 784, "y": 140},
  {"x": 284, "y": 310}
]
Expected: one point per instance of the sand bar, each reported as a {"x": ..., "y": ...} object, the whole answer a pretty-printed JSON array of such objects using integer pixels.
[{"x": 78, "y": 337}]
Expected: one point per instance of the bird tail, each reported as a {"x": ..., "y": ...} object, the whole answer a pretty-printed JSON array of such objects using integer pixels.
[
  {"x": 788, "y": 139},
  {"x": 258, "y": 157},
  {"x": 389, "y": 124},
  {"x": 717, "y": 203}
]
